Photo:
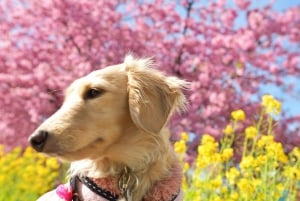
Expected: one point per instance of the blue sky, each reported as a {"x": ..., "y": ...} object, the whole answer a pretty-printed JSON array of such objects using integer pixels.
[
  {"x": 281, "y": 5},
  {"x": 291, "y": 104}
]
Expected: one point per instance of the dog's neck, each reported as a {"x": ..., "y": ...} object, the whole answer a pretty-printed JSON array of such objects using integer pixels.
[
  {"x": 144, "y": 179},
  {"x": 147, "y": 158},
  {"x": 165, "y": 189}
]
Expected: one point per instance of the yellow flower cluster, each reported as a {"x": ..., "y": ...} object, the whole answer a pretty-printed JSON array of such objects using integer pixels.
[
  {"x": 271, "y": 105},
  {"x": 251, "y": 132},
  {"x": 238, "y": 115},
  {"x": 264, "y": 172},
  {"x": 25, "y": 174},
  {"x": 180, "y": 146},
  {"x": 228, "y": 130}
]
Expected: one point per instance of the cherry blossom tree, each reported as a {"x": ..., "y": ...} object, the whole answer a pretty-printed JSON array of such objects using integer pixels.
[{"x": 44, "y": 45}]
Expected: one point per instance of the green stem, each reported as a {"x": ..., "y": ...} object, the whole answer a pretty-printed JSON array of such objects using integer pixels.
[
  {"x": 260, "y": 119},
  {"x": 270, "y": 126},
  {"x": 245, "y": 146}
]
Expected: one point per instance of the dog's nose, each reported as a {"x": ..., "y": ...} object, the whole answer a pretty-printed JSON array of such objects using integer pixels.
[{"x": 38, "y": 140}]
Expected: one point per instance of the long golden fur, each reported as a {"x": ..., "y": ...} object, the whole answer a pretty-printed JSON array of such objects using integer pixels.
[{"x": 124, "y": 125}]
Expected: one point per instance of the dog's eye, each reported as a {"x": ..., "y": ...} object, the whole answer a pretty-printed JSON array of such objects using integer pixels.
[{"x": 93, "y": 93}]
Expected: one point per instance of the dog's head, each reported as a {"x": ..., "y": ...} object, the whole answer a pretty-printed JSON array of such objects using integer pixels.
[{"x": 107, "y": 107}]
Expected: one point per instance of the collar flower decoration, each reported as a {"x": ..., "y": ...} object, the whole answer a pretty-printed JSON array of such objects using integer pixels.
[{"x": 64, "y": 192}]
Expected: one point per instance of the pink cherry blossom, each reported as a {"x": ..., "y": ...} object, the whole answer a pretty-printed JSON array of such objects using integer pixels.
[
  {"x": 242, "y": 4},
  {"x": 44, "y": 45},
  {"x": 256, "y": 21},
  {"x": 228, "y": 17}
]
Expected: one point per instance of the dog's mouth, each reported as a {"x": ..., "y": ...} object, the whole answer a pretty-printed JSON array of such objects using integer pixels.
[{"x": 80, "y": 153}]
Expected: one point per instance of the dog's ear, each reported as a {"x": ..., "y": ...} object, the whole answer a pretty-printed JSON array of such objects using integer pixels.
[{"x": 152, "y": 96}]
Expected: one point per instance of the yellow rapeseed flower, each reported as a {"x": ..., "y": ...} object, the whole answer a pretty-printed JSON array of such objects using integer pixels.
[
  {"x": 215, "y": 158},
  {"x": 52, "y": 163},
  {"x": 280, "y": 187},
  {"x": 198, "y": 183},
  {"x": 29, "y": 152},
  {"x": 208, "y": 149},
  {"x": 264, "y": 172},
  {"x": 296, "y": 153},
  {"x": 232, "y": 175},
  {"x": 266, "y": 99},
  {"x": 245, "y": 186},
  {"x": 20, "y": 168},
  {"x": 228, "y": 130},
  {"x": 272, "y": 148},
  {"x": 227, "y": 154},
  {"x": 264, "y": 140},
  {"x": 292, "y": 172},
  {"x": 184, "y": 184},
  {"x": 186, "y": 167},
  {"x": 261, "y": 159},
  {"x": 184, "y": 136},
  {"x": 251, "y": 132},
  {"x": 180, "y": 147},
  {"x": 256, "y": 182},
  {"x": 217, "y": 198},
  {"x": 238, "y": 115},
  {"x": 279, "y": 190},
  {"x": 206, "y": 139},
  {"x": 200, "y": 163},
  {"x": 224, "y": 189},
  {"x": 248, "y": 162},
  {"x": 271, "y": 104},
  {"x": 216, "y": 182},
  {"x": 1, "y": 150},
  {"x": 234, "y": 195}
]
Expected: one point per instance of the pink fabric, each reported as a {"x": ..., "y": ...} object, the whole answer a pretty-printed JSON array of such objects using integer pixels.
[
  {"x": 163, "y": 190},
  {"x": 166, "y": 188}
]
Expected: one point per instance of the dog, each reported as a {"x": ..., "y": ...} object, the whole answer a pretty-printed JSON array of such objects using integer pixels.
[{"x": 112, "y": 128}]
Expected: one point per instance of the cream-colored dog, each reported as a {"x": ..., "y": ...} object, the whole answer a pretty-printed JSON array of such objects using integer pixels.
[{"x": 112, "y": 126}]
